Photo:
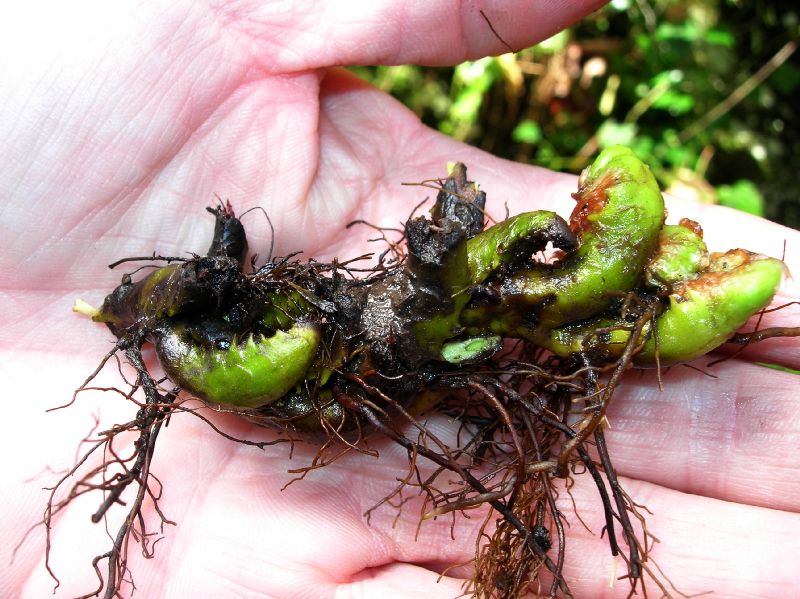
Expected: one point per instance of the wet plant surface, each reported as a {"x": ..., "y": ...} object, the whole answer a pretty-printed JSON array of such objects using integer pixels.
[{"x": 457, "y": 317}]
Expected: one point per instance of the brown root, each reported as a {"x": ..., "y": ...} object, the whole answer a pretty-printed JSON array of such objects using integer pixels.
[
  {"x": 513, "y": 448},
  {"x": 119, "y": 475}
]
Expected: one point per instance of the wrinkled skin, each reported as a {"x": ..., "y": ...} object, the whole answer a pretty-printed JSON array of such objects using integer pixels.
[{"x": 119, "y": 125}]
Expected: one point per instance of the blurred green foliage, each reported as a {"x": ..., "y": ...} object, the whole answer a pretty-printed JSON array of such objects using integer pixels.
[{"x": 705, "y": 91}]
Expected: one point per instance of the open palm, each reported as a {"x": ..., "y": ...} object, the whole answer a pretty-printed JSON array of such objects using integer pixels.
[{"x": 121, "y": 121}]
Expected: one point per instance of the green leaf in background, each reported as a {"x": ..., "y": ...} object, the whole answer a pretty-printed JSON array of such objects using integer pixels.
[
  {"x": 471, "y": 81},
  {"x": 786, "y": 78},
  {"x": 527, "y": 132},
  {"x": 742, "y": 195},
  {"x": 554, "y": 44},
  {"x": 476, "y": 74},
  {"x": 466, "y": 105},
  {"x": 670, "y": 77},
  {"x": 720, "y": 37},
  {"x": 620, "y": 5},
  {"x": 688, "y": 31},
  {"x": 677, "y": 155},
  {"x": 674, "y": 102},
  {"x": 644, "y": 73},
  {"x": 612, "y": 133}
]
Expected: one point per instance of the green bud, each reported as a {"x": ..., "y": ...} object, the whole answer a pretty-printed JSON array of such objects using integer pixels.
[
  {"x": 702, "y": 314},
  {"x": 471, "y": 350},
  {"x": 250, "y": 374},
  {"x": 680, "y": 255},
  {"x": 705, "y": 312}
]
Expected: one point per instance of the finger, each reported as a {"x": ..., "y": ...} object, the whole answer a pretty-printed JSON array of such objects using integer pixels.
[
  {"x": 316, "y": 34},
  {"x": 400, "y": 581},
  {"x": 730, "y": 434}
]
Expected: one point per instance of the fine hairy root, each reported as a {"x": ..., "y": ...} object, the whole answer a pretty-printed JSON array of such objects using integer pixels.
[{"x": 335, "y": 352}]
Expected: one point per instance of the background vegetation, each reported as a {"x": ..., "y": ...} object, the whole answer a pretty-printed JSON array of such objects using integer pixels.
[{"x": 706, "y": 91}]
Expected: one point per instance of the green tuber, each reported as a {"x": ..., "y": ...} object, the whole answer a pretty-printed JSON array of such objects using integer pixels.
[{"x": 249, "y": 340}]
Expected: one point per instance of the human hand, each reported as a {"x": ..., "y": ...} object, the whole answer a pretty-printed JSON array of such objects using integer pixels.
[{"x": 120, "y": 123}]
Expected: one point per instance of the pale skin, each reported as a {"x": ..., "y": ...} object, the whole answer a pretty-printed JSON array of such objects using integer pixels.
[{"x": 120, "y": 121}]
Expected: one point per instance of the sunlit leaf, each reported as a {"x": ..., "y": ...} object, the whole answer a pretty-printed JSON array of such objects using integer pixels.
[
  {"x": 719, "y": 37},
  {"x": 527, "y": 132},
  {"x": 786, "y": 78},
  {"x": 612, "y": 133},
  {"x": 687, "y": 31},
  {"x": 675, "y": 102},
  {"x": 742, "y": 195},
  {"x": 555, "y": 43}
]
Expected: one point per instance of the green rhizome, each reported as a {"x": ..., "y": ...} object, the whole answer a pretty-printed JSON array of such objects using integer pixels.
[{"x": 520, "y": 331}]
